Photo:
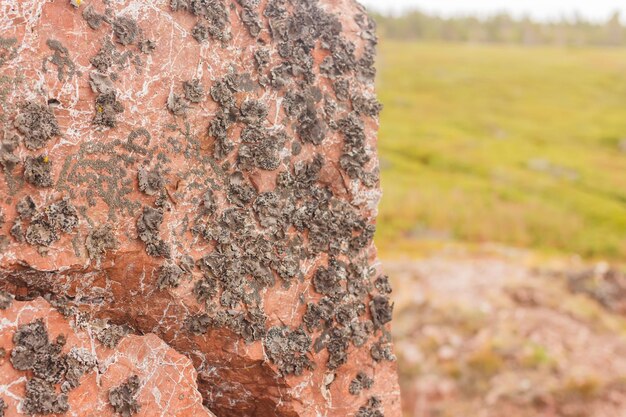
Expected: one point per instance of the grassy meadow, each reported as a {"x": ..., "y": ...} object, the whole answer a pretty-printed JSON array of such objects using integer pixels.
[{"x": 523, "y": 146}]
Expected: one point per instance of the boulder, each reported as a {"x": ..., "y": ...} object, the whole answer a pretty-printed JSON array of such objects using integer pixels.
[{"x": 204, "y": 171}]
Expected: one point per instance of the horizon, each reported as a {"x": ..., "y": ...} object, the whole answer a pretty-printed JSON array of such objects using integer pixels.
[{"x": 542, "y": 10}]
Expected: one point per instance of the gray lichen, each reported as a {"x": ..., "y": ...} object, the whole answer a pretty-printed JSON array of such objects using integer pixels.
[
  {"x": 126, "y": 30},
  {"x": 371, "y": 409},
  {"x": 26, "y": 208},
  {"x": 61, "y": 58},
  {"x": 328, "y": 281},
  {"x": 17, "y": 231},
  {"x": 41, "y": 398},
  {"x": 337, "y": 347},
  {"x": 38, "y": 171},
  {"x": 152, "y": 181},
  {"x": 383, "y": 285},
  {"x": 79, "y": 362},
  {"x": 194, "y": 91},
  {"x": 213, "y": 16},
  {"x": 355, "y": 155},
  {"x": 177, "y": 105},
  {"x": 368, "y": 106},
  {"x": 381, "y": 350},
  {"x": 147, "y": 46},
  {"x": 8, "y": 50},
  {"x": 6, "y": 300},
  {"x": 288, "y": 349},
  {"x": 110, "y": 334},
  {"x": 100, "y": 83},
  {"x": 319, "y": 315},
  {"x": 169, "y": 276},
  {"x": 29, "y": 339},
  {"x": 148, "y": 226},
  {"x": 360, "y": 382},
  {"x": 200, "y": 32},
  {"x": 62, "y": 215},
  {"x": 37, "y": 124},
  {"x": 205, "y": 289},
  {"x": 8, "y": 159},
  {"x": 123, "y": 398},
  {"x": 106, "y": 56},
  {"x": 250, "y": 16},
  {"x": 342, "y": 88},
  {"x": 107, "y": 109},
  {"x": 262, "y": 58},
  {"x": 261, "y": 148},
  {"x": 50, "y": 367},
  {"x": 93, "y": 19},
  {"x": 240, "y": 192},
  {"x": 99, "y": 240},
  {"x": 381, "y": 310},
  {"x": 198, "y": 324},
  {"x": 46, "y": 225}
]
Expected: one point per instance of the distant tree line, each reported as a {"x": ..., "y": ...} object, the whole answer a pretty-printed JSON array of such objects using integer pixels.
[{"x": 502, "y": 28}]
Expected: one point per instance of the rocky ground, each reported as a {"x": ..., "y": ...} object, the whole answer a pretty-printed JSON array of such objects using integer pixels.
[{"x": 495, "y": 335}]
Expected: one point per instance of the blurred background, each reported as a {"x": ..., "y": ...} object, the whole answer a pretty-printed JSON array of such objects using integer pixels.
[{"x": 503, "y": 220}]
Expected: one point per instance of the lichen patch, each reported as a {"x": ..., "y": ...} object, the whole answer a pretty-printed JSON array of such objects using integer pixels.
[
  {"x": 38, "y": 125},
  {"x": 123, "y": 398}
]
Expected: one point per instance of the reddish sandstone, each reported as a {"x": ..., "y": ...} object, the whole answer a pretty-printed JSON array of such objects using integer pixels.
[
  {"x": 168, "y": 379},
  {"x": 144, "y": 188}
]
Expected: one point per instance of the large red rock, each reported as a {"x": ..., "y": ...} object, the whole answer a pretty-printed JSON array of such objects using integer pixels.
[{"x": 205, "y": 171}]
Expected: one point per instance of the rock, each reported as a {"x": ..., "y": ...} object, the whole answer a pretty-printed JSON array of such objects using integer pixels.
[
  {"x": 604, "y": 283},
  {"x": 91, "y": 371},
  {"x": 205, "y": 172}
]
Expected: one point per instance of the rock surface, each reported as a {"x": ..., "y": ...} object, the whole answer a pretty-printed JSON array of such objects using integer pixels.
[
  {"x": 204, "y": 171},
  {"x": 167, "y": 378}
]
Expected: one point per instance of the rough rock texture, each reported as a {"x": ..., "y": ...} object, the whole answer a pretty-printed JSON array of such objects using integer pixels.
[
  {"x": 205, "y": 171},
  {"x": 91, "y": 371}
]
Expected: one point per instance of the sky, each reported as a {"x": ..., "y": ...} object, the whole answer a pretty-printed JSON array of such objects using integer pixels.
[{"x": 538, "y": 9}]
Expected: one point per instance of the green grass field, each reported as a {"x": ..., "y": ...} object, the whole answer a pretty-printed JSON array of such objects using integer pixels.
[{"x": 520, "y": 146}]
